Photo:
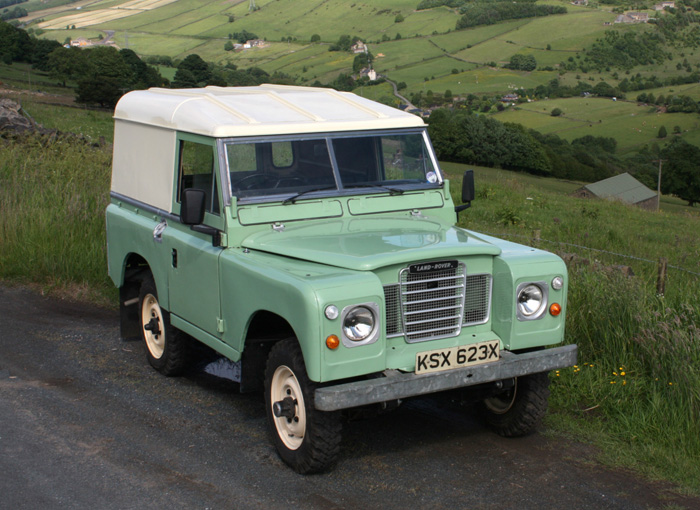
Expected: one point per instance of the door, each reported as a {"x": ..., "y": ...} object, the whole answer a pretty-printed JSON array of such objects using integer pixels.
[{"x": 194, "y": 261}]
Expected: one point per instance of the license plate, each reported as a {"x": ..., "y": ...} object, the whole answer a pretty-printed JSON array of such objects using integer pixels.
[{"x": 457, "y": 357}]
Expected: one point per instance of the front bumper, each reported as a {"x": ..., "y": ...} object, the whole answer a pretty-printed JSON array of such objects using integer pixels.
[{"x": 395, "y": 385}]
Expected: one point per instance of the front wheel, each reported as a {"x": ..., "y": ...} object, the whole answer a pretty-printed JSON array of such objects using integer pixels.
[
  {"x": 166, "y": 347},
  {"x": 518, "y": 410},
  {"x": 307, "y": 439}
]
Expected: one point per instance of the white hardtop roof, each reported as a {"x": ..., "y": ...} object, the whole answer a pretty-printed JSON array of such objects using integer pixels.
[{"x": 261, "y": 110}]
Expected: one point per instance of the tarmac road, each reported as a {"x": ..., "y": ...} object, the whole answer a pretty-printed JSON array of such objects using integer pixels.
[{"x": 86, "y": 423}]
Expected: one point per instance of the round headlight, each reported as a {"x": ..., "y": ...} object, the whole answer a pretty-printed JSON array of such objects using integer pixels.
[
  {"x": 557, "y": 283},
  {"x": 358, "y": 324},
  {"x": 530, "y": 300}
]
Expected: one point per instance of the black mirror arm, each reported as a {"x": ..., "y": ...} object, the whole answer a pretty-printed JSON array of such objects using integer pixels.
[{"x": 215, "y": 233}]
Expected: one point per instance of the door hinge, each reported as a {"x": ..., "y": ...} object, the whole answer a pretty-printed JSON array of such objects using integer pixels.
[{"x": 220, "y": 325}]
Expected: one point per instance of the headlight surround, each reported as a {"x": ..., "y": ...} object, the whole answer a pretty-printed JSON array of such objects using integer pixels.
[
  {"x": 531, "y": 300},
  {"x": 360, "y": 324}
]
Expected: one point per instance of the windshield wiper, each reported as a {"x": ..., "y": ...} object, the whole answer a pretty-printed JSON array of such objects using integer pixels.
[
  {"x": 293, "y": 199},
  {"x": 392, "y": 191}
]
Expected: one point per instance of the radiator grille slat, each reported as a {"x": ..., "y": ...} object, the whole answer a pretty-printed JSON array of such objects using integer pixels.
[{"x": 436, "y": 305}]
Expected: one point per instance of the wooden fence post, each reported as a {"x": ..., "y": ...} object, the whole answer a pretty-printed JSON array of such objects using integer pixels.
[{"x": 661, "y": 280}]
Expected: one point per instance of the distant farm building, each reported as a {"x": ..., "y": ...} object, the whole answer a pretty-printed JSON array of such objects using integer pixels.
[
  {"x": 510, "y": 98},
  {"x": 632, "y": 17},
  {"x": 255, "y": 43},
  {"x": 661, "y": 6},
  {"x": 369, "y": 73},
  {"x": 81, "y": 42},
  {"x": 359, "y": 47},
  {"x": 623, "y": 188},
  {"x": 579, "y": 2}
]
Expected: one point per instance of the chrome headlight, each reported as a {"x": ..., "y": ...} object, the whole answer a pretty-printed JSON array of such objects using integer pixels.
[
  {"x": 531, "y": 300},
  {"x": 558, "y": 283},
  {"x": 360, "y": 324}
]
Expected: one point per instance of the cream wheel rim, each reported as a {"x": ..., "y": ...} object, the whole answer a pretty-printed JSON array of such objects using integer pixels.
[
  {"x": 285, "y": 385},
  {"x": 152, "y": 314},
  {"x": 501, "y": 404}
]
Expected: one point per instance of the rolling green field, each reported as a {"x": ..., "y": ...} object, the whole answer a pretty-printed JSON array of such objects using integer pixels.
[{"x": 630, "y": 123}]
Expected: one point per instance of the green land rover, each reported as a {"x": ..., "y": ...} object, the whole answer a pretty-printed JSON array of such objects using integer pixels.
[{"x": 307, "y": 235}]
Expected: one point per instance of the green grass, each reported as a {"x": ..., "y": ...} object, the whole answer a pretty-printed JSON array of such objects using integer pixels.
[
  {"x": 92, "y": 124},
  {"x": 635, "y": 392},
  {"x": 631, "y": 124},
  {"x": 52, "y": 200},
  {"x": 21, "y": 77}
]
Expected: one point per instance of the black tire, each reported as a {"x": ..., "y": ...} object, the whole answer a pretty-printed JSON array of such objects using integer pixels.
[
  {"x": 166, "y": 347},
  {"x": 518, "y": 410},
  {"x": 308, "y": 440}
]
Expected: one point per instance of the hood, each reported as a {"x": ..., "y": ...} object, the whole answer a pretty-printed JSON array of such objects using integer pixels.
[{"x": 365, "y": 244}]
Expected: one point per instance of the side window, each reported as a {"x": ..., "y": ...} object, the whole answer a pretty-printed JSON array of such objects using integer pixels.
[
  {"x": 197, "y": 171},
  {"x": 282, "y": 154}
]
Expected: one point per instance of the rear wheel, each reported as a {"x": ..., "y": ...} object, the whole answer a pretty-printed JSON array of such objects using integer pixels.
[
  {"x": 518, "y": 410},
  {"x": 166, "y": 347},
  {"x": 307, "y": 439}
]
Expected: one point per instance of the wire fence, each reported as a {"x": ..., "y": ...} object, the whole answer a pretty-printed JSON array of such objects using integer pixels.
[{"x": 535, "y": 238}]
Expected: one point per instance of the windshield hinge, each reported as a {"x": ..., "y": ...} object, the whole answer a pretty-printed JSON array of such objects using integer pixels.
[
  {"x": 220, "y": 325},
  {"x": 278, "y": 227},
  {"x": 417, "y": 214}
]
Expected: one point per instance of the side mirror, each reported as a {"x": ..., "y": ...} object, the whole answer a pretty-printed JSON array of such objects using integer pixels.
[
  {"x": 467, "y": 191},
  {"x": 192, "y": 206}
]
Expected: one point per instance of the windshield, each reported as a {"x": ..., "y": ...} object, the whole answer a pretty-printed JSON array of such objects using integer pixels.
[{"x": 379, "y": 162}]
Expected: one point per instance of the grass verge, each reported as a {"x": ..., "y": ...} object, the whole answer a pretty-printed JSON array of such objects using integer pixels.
[{"x": 636, "y": 390}]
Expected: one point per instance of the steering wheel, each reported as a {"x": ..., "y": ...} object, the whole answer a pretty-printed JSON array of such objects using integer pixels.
[{"x": 254, "y": 181}]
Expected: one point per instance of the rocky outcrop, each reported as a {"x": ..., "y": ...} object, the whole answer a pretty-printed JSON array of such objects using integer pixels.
[{"x": 11, "y": 118}]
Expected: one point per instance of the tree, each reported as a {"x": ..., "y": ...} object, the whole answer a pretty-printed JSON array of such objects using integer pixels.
[
  {"x": 399, "y": 18},
  {"x": 197, "y": 66},
  {"x": 184, "y": 79},
  {"x": 102, "y": 90},
  {"x": 228, "y": 46},
  {"x": 15, "y": 44},
  {"x": 556, "y": 112},
  {"x": 361, "y": 61},
  {"x": 67, "y": 64},
  {"x": 344, "y": 43},
  {"x": 681, "y": 174},
  {"x": 42, "y": 50},
  {"x": 522, "y": 62},
  {"x": 107, "y": 61},
  {"x": 662, "y": 132},
  {"x": 144, "y": 76},
  {"x": 315, "y": 38}
]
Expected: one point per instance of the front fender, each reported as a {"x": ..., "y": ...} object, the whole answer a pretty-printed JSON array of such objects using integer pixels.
[{"x": 298, "y": 291}]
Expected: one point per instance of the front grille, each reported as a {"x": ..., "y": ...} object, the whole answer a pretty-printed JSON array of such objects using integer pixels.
[{"x": 428, "y": 306}]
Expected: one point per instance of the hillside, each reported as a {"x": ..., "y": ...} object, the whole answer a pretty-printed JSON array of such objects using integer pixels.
[{"x": 422, "y": 51}]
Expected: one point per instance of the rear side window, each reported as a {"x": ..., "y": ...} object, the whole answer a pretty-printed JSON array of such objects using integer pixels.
[{"x": 197, "y": 172}]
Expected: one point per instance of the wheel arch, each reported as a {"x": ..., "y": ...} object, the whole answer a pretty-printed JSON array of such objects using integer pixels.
[
  {"x": 135, "y": 269},
  {"x": 264, "y": 330}
]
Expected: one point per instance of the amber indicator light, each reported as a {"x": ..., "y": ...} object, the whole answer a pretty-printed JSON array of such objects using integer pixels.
[
  {"x": 555, "y": 309},
  {"x": 332, "y": 342}
]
